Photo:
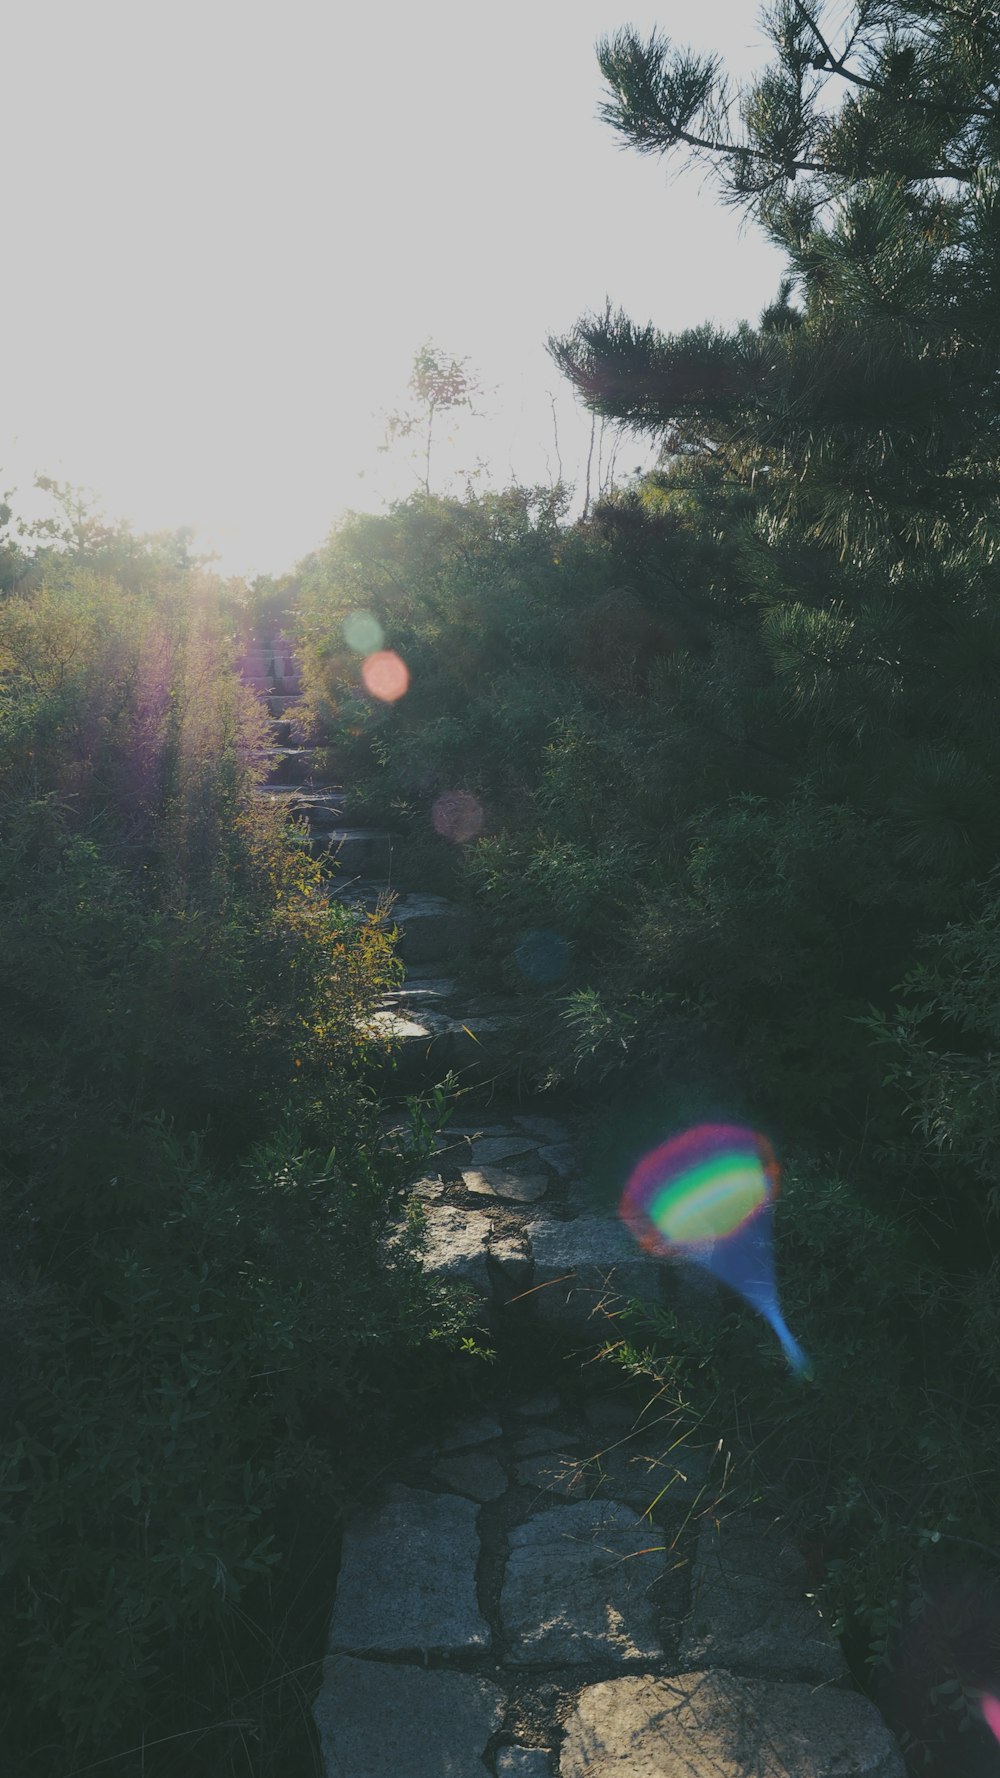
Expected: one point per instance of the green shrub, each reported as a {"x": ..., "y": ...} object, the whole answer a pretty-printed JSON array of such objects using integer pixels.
[{"x": 198, "y": 1310}]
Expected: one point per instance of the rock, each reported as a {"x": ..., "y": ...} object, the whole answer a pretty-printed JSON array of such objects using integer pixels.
[
  {"x": 357, "y": 851},
  {"x": 378, "y": 1721},
  {"x": 541, "y": 1438},
  {"x": 571, "y": 1594},
  {"x": 421, "y": 1045},
  {"x": 560, "y": 1157},
  {"x": 430, "y": 927},
  {"x": 501, "y": 1182},
  {"x": 523, "y": 1762},
  {"x": 455, "y": 1245},
  {"x": 611, "y": 1416},
  {"x": 475, "y": 1474},
  {"x": 748, "y": 1606},
  {"x": 545, "y": 1128},
  {"x": 427, "y": 1190},
  {"x": 648, "y": 1478},
  {"x": 490, "y": 1149},
  {"x": 537, "y": 1407},
  {"x": 472, "y": 1432},
  {"x": 395, "y": 1027},
  {"x": 586, "y": 1263},
  {"x": 475, "y": 1131},
  {"x": 714, "y": 1723},
  {"x": 408, "y": 1578},
  {"x": 510, "y": 1254},
  {"x": 555, "y": 1474},
  {"x": 418, "y": 993}
]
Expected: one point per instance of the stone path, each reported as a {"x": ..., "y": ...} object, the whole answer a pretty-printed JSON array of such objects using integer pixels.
[
  {"x": 559, "y": 1587},
  {"x": 554, "y": 1589}
]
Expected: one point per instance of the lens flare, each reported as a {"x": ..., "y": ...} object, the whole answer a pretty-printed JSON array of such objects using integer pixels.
[
  {"x": 542, "y": 957},
  {"x": 707, "y": 1196},
  {"x": 363, "y": 632},
  {"x": 990, "y": 1708},
  {"x": 458, "y": 815},
  {"x": 386, "y": 676}
]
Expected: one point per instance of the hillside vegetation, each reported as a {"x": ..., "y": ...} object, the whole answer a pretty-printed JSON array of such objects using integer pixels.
[
  {"x": 735, "y": 739},
  {"x": 726, "y": 747},
  {"x": 202, "y": 1336}
]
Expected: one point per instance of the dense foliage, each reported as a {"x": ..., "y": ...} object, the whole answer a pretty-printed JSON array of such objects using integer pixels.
[
  {"x": 735, "y": 739},
  {"x": 198, "y": 1318}
]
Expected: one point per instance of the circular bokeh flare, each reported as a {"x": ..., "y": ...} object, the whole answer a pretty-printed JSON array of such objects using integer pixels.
[
  {"x": 385, "y": 676},
  {"x": 363, "y": 632},
  {"x": 458, "y": 816}
]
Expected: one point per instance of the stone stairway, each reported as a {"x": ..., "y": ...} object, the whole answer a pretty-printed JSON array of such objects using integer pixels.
[{"x": 567, "y": 1584}]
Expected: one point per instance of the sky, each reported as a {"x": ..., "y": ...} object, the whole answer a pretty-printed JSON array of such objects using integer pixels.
[{"x": 230, "y": 228}]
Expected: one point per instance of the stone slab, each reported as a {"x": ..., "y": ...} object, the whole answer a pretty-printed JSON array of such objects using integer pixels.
[
  {"x": 553, "y": 1473},
  {"x": 455, "y": 1244},
  {"x": 428, "y": 1189},
  {"x": 560, "y": 1157},
  {"x": 586, "y": 1263},
  {"x": 646, "y": 1476},
  {"x": 357, "y": 851},
  {"x": 611, "y": 1416},
  {"x": 427, "y": 1044},
  {"x": 636, "y": 1479},
  {"x": 713, "y": 1725},
  {"x": 538, "y": 1407},
  {"x": 472, "y": 1432},
  {"x": 473, "y": 1472},
  {"x": 545, "y": 1128},
  {"x": 749, "y": 1608},
  {"x": 475, "y": 1131},
  {"x": 491, "y": 1149},
  {"x": 503, "y": 1182},
  {"x": 510, "y": 1254},
  {"x": 408, "y": 1578},
  {"x": 430, "y": 927},
  {"x": 540, "y": 1438},
  {"x": 432, "y": 993},
  {"x": 577, "y": 1588},
  {"x": 380, "y": 1721},
  {"x": 523, "y": 1762}
]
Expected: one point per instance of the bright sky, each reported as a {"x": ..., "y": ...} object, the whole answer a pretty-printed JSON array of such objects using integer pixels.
[{"x": 230, "y": 227}]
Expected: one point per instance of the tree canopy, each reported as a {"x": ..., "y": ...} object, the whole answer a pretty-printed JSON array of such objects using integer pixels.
[{"x": 867, "y": 393}]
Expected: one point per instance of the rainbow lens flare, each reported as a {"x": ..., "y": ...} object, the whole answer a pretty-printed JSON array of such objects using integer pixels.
[{"x": 707, "y": 1196}]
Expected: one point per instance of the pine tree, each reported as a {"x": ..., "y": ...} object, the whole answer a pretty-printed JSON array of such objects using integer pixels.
[
  {"x": 871, "y": 403},
  {"x": 847, "y": 449}
]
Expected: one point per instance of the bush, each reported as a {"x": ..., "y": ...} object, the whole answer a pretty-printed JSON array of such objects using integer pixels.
[{"x": 197, "y": 1307}]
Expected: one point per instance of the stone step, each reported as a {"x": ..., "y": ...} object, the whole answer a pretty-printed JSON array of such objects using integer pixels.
[
  {"x": 431, "y": 927},
  {"x": 322, "y": 809},
  {"x": 286, "y": 732},
  {"x": 356, "y": 852},
  {"x": 287, "y": 765},
  {"x": 422, "y": 1045},
  {"x": 279, "y": 703},
  {"x": 435, "y": 994},
  {"x": 517, "y": 1593},
  {"x": 505, "y": 1211}
]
